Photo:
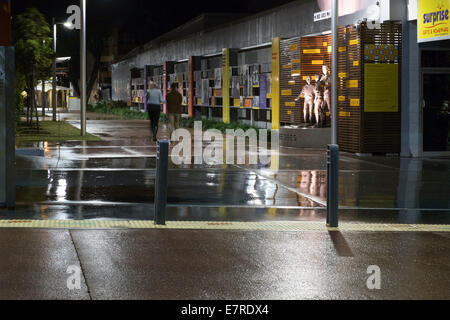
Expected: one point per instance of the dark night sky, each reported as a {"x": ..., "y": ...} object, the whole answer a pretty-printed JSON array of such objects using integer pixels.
[{"x": 147, "y": 19}]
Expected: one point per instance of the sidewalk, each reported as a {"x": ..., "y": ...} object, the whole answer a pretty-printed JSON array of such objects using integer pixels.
[
  {"x": 205, "y": 264},
  {"x": 113, "y": 181}
]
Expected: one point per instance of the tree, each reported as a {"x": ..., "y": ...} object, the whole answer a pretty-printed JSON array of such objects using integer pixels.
[
  {"x": 95, "y": 44},
  {"x": 34, "y": 54}
]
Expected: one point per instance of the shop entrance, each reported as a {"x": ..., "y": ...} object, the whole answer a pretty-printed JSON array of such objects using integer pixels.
[{"x": 436, "y": 99}]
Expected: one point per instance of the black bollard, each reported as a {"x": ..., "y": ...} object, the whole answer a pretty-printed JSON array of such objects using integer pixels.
[
  {"x": 333, "y": 186},
  {"x": 162, "y": 165}
]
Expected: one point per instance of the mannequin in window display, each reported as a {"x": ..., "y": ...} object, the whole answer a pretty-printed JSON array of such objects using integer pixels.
[
  {"x": 325, "y": 79},
  {"x": 314, "y": 187},
  {"x": 318, "y": 101},
  {"x": 308, "y": 93}
]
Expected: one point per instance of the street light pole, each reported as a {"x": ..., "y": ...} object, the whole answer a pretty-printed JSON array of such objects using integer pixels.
[
  {"x": 83, "y": 68},
  {"x": 334, "y": 72},
  {"x": 333, "y": 149},
  {"x": 54, "y": 97}
]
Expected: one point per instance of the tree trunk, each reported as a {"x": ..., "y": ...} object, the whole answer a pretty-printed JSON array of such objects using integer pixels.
[
  {"x": 93, "y": 77},
  {"x": 28, "y": 101},
  {"x": 33, "y": 97},
  {"x": 30, "y": 105},
  {"x": 35, "y": 109},
  {"x": 43, "y": 98}
]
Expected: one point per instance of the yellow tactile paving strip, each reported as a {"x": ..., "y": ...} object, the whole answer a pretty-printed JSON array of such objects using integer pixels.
[{"x": 211, "y": 225}]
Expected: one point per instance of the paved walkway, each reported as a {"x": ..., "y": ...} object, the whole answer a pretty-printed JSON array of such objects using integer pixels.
[
  {"x": 114, "y": 179},
  {"x": 207, "y": 264}
]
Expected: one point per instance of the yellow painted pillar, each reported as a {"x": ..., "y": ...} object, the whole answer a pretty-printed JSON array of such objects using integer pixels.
[
  {"x": 276, "y": 84},
  {"x": 226, "y": 85}
]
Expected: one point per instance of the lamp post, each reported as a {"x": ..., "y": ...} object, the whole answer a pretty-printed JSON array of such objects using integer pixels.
[
  {"x": 54, "y": 96},
  {"x": 54, "y": 73},
  {"x": 334, "y": 71},
  {"x": 83, "y": 68},
  {"x": 333, "y": 149}
]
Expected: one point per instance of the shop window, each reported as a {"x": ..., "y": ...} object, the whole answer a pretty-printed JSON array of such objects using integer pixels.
[{"x": 436, "y": 59}]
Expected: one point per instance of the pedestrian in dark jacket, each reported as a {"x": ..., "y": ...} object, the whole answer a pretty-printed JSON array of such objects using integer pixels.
[{"x": 174, "y": 101}]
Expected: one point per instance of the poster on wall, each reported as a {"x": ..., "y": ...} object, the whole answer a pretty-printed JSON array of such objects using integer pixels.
[
  {"x": 235, "y": 87},
  {"x": 269, "y": 82},
  {"x": 198, "y": 83},
  {"x": 381, "y": 88},
  {"x": 218, "y": 78},
  {"x": 433, "y": 20},
  {"x": 245, "y": 80},
  {"x": 205, "y": 92},
  {"x": 254, "y": 75},
  {"x": 263, "y": 91}
]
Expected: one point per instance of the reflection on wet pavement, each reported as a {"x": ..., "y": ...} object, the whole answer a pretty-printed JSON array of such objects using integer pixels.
[{"x": 114, "y": 179}]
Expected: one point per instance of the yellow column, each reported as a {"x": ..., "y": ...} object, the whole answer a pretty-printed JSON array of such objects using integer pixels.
[
  {"x": 226, "y": 85},
  {"x": 276, "y": 84}
]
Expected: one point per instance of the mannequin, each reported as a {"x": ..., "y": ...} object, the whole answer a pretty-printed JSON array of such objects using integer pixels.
[
  {"x": 325, "y": 79},
  {"x": 308, "y": 93},
  {"x": 318, "y": 101}
]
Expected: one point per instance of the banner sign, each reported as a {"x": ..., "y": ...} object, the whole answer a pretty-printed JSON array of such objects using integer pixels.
[
  {"x": 381, "y": 89},
  {"x": 263, "y": 91},
  {"x": 5, "y": 23},
  {"x": 433, "y": 20}
]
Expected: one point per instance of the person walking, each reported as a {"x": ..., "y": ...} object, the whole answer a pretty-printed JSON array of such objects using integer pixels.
[
  {"x": 174, "y": 101},
  {"x": 154, "y": 101}
]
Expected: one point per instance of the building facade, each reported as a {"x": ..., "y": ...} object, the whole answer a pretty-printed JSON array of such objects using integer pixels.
[{"x": 252, "y": 70}]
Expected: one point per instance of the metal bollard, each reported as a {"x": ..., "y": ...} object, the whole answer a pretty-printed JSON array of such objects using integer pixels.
[
  {"x": 333, "y": 186},
  {"x": 162, "y": 165}
]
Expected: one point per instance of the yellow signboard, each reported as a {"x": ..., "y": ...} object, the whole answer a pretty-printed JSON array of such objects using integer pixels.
[
  {"x": 352, "y": 84},
  {"x": 355, "y": 102},
  {"x": 226, "y": 85},
  {"x": 276, "y": 84},
  {"x": 433, "y": 20},
  {"x": 381, "y": 87},
  {"x": 311, "y": 51}
]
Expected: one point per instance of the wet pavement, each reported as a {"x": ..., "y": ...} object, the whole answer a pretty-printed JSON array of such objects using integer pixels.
[
  {"x": 114, "y": 179},
  {"x": 207, "y": 264}
]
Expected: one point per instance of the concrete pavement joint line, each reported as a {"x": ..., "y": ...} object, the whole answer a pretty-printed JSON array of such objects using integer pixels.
[
  {"x": 131, "y": 151},
  {"x": 81, "y": 265},
  {"x": 297, "y": 226}
]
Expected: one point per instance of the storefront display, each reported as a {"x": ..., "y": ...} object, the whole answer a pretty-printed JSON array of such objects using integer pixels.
[{"x": 369, "y": 88}]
